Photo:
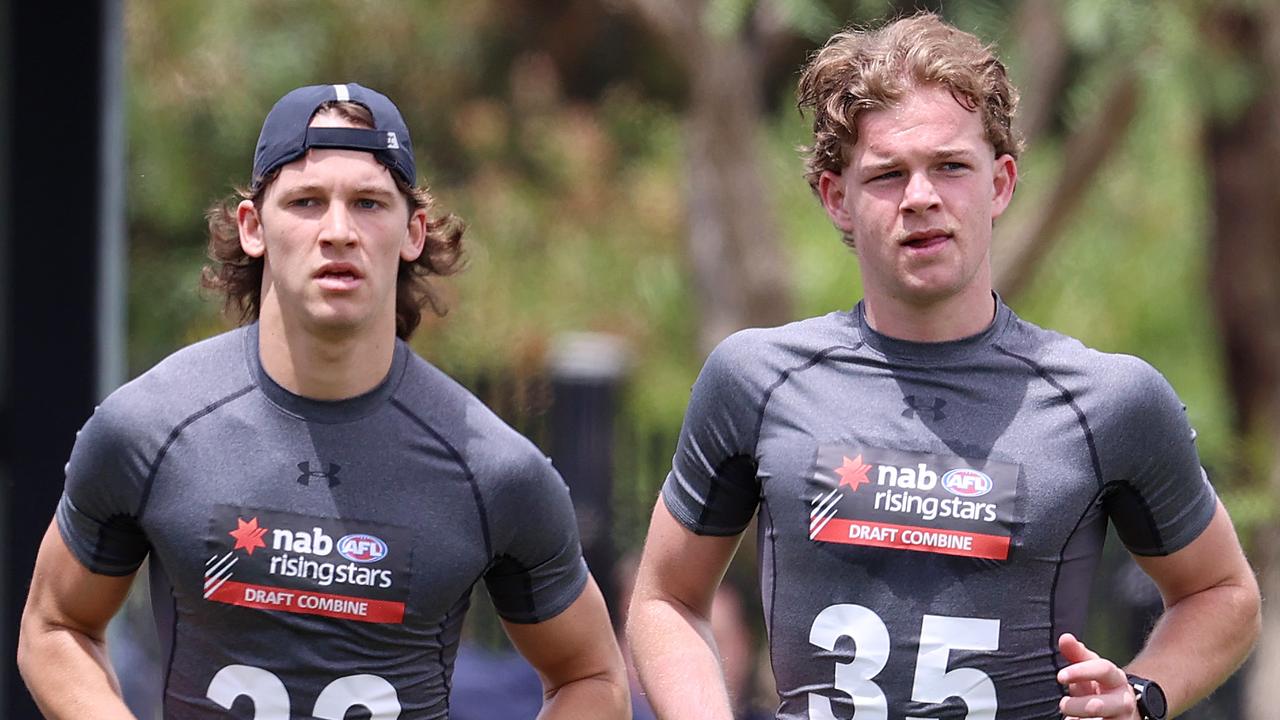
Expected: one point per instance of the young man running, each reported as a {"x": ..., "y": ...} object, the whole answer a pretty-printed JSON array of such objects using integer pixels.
[
  {"x": 933, "y": 475},
  {"x": 316, "y": 500}
]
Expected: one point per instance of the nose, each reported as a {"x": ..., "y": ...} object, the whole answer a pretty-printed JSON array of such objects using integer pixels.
[
  {"x": 920, "y": 194},
  {"x": 336, "y": 228}
]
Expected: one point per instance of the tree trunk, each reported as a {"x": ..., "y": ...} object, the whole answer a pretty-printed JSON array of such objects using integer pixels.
[
  {"x": 740, "y": 274},
  {"x": 1244, "y": 152},
  {"x": 1021, "y": 245},
  {"x": 1019, "y": 249}
]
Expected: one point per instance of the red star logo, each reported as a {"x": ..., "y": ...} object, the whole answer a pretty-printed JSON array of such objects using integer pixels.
[
  {"x": 853, "y": 473},
  {"x": 248, "y": 535}
]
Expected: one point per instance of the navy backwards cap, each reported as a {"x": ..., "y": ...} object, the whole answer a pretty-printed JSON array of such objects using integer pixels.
[{"x": 286, "y": 133}]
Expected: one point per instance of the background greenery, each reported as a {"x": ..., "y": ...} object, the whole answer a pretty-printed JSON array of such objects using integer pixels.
[
  {"x": 571, "y": 186},
  {"x": 556, "y": 129}
]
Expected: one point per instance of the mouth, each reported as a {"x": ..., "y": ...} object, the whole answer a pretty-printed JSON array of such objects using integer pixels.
[
  {"x": 338, "y": 276},
  {"x": 926, "y": 239}
]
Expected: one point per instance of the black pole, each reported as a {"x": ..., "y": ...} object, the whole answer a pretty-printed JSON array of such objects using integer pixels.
[
  {"x": 587, "y": 372},
  {"x": 51, "y": 138}
]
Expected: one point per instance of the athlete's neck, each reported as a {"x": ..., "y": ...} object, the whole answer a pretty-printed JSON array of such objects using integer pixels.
[
  {"x": 958, "y": 317},
  {"x": 320, "y": 365}
]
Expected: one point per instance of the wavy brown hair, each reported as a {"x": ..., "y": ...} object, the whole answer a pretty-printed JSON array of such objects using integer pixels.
[
  {"x": 867, "y": 69},
  {"x": 238, "y": 276}
]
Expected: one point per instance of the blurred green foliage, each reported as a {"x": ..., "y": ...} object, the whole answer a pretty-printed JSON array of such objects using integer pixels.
[{"x": 554, "y": 129}]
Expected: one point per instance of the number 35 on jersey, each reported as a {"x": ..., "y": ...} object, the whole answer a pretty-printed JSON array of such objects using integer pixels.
[{"x": 932, "y": 681}]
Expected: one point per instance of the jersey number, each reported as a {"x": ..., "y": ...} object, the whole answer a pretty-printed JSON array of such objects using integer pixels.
[
  {"x": 933, "y": 683},
  {"x": 271, "y": 700}
]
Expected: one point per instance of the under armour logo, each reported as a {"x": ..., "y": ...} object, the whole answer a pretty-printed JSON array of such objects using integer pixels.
[
  {"x": 393, "y": 142},
  {"x": 330, "y": 473},
  {"x": 919, "y": 405}
]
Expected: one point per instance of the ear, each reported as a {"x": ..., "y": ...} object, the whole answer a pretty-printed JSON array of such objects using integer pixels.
[
  {"x": 250, "y": 223},
  {"x": 1005, "y": 180},
  {"x": 832, "y": 191},
  {"x": 415, "y": 239}
]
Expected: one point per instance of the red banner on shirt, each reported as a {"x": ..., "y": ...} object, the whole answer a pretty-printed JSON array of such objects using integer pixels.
[
  {"x": 308, "y": 603},
  {"x": 920, "y": 539}
]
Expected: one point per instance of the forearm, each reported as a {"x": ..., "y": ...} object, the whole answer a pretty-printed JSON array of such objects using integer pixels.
[
  {"x": 603, "y": 696},
  {"x": 68, "y": 674},
  {"x": 676, "y": 657},
  {"x": 1198, "y": 642}
]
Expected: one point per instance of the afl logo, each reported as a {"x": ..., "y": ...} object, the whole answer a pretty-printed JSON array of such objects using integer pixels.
[
  {"x": 966, "y": 482},
  {"x": 362, "y": 548}
]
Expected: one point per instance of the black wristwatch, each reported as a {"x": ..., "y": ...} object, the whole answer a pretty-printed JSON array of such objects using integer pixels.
[{"x": 1151, "y": 702}]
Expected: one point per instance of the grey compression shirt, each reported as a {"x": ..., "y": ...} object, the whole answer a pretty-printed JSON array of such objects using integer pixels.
[
  {"x": 931, "y": 515},
  {"x": 313, "y": 558}
]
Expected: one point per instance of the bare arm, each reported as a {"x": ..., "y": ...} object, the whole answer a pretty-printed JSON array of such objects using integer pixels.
[
  {"x": 669, "y": 626},
  {"x": 577, "y": 657},
  {"x": 1211, "y": 614},
  {"x": 1210, "y": 622},
  {"x": 62, "y": 652}
]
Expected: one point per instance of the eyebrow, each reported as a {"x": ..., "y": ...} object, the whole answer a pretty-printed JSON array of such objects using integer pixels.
[
  {"x": 373, "y": 190},
  {"x": 952, "y": 153},
  {"x": 879, "y": 167},
  {"x": 944, "y": 153},
  {"x": 364, "y": 189}
]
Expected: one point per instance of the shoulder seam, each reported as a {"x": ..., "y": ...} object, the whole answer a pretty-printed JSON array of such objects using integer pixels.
[
  {"x": 466, "y": 471},
  {"x": 786, "y": 375},
  {"x": 173, "y": 436},
  {"x": 1045, "y": 375}
]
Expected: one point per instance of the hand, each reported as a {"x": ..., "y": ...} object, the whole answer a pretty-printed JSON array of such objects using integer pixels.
[{"x": 1097, "y": 689}]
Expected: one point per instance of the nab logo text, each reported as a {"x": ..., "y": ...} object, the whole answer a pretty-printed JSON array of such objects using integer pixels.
[
  {"x": 302, "y": 542},
  {"x": 919, "y": 477}
]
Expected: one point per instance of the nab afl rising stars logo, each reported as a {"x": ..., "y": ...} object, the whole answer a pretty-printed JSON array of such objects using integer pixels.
[{"x": 913, "y": 501}]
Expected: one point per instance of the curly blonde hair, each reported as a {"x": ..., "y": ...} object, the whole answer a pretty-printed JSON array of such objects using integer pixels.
[
  {"x": 238, "y": 275},
  {"x": 867, "y": 69}
]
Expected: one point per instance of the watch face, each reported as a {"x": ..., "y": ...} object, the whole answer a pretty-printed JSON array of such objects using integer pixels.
[{"x": 1153, "y": 698}]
